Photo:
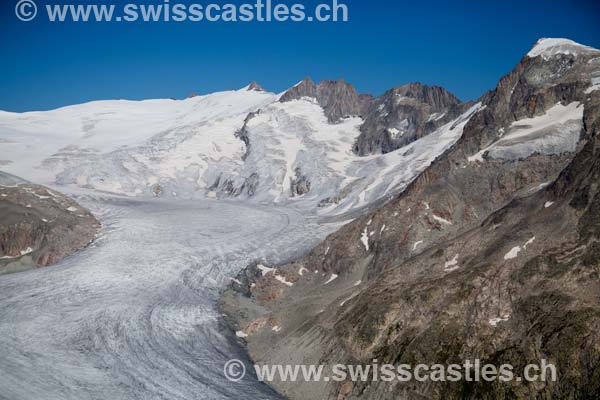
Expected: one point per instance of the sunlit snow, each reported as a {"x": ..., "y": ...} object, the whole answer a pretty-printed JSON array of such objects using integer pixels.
[{"x": 513, "y": 253}]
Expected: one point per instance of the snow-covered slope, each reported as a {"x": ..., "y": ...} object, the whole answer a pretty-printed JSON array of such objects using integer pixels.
[
  {"x": 124, "y": 146},
  {"x": 549, "y": 47},
  {"x": 293, "y": 140},
  {"x": 557, "y": 131},
  {"x": 193, "y": 148}
]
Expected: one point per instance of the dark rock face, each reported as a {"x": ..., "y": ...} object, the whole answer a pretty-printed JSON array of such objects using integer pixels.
[
  {"x": 496, "y": 260},
  {"x": 306, "y": 88},
  {"x": 405, "y": 114},
  {"x": 300, "y": 185},
  {"x": 254, "y": 86},
  {"x": 39, "y": 227},
  {"x": 231, "y": 188},
  {"x": 242, "y": 133},
  {"x": 338, "y": 98},
  {"x": 397, "y": 118}
]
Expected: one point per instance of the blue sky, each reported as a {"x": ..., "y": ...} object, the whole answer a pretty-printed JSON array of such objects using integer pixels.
[{"x": 465, "y": 46}]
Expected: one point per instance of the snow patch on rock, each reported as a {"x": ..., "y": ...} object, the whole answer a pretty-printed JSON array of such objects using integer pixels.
[
  {"x": 556, "y": 132},
  {"x": 452, "y": 264},
  {"x": 495, "y": 321},
  {"x": 283, "y": 280},
  {"x": 530, "y": 241},
  {"x": 442, "y": 220},
  {"x": 513, "y": 253},
  {"x": 364, "y": 238},
  {"x": 265, "y": 270},
  {"x": 595, "y": 85}
]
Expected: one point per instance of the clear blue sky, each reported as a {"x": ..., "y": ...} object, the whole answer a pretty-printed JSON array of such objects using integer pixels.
[{"x": 464, "y": 46}]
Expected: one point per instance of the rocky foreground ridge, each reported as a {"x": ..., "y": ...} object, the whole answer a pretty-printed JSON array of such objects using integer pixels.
[
  {"x": 491, "y": 253},
  {"x": 39, "y": 226}
]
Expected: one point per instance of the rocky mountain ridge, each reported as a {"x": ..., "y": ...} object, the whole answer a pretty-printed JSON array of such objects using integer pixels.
[
  {"x": 490, "y": 253},
  {"x": 339, "y": 99},
  {"x": 404, "y": 114}
]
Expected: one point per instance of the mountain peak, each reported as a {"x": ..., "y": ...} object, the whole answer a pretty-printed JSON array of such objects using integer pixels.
[
  {"x": 306, "y": 82},
  {"x": 548, "y": 47},
  {"x": 405, "y": 114},
  {"x": 425, "y": 93},
  {"x": 255, "y": 86},
  {"x": 339, "y": 99}
]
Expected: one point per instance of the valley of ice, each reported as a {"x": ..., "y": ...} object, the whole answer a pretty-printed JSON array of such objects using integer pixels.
[{"x": 135, "y": 314}]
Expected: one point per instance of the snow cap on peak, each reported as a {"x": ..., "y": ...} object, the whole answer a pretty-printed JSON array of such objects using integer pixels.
[{"x": 548, "y": 47}]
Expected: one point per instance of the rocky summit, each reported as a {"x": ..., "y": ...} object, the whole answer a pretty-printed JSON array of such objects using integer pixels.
[
  {"x": 491, "y": 253},
  {"x": 339, "y": 99},
  {"x": 405, "y": 114}
]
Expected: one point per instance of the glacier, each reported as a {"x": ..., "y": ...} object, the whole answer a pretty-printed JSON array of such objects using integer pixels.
[
  {"x": 557, "y": 131},
  {"x": 189, "y": 149},
  {"x": 135, "y": 314}
]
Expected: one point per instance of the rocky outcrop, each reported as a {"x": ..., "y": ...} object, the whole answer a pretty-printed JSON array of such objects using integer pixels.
[
  {"x": 405, "y": 114},
  {"x": 338, "y": 98},
  {"x": 39, "y": 226},
  {"x": 229, "y": 187},
  {"x": 397, "y": 118},
  {"x": 300, "y": 185},
  {"x": 484, "y": 256},
  {"x": 254, "y": 86},
  {"x": 242, "y": 133}
]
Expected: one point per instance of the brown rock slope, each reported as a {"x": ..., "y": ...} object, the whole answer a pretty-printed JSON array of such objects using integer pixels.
[
  {"x": 496, "y": 259},
  {"x": 39, "y": 226}
]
